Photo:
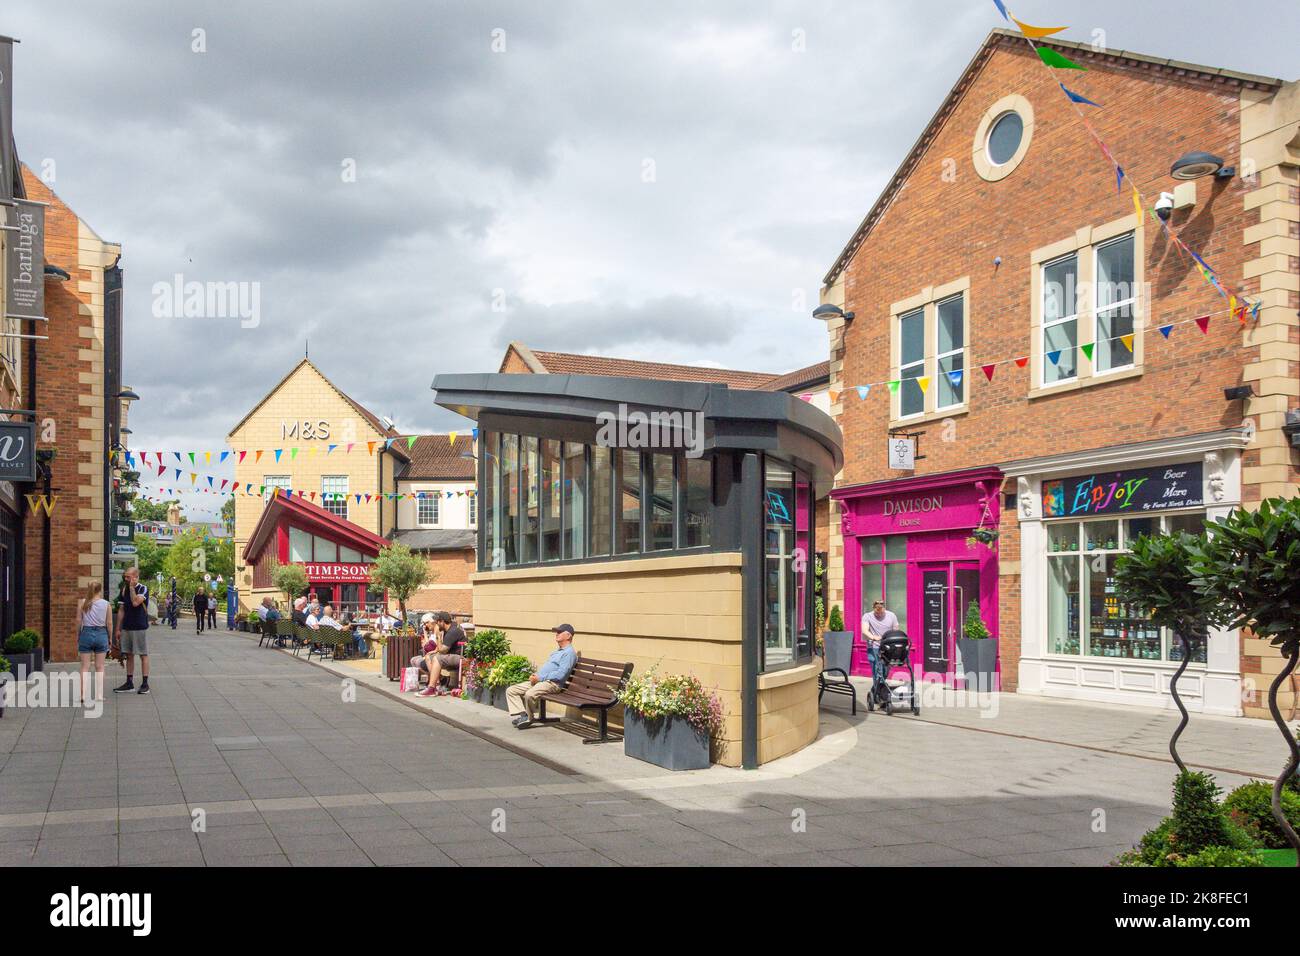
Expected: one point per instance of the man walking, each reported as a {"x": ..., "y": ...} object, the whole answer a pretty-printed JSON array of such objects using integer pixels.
[
  {"x": 133, "y": 631},
  {"x": 876, "y": 625},
  {"x": 200, "y": 608},
  {"x": 549, "y": 678}
]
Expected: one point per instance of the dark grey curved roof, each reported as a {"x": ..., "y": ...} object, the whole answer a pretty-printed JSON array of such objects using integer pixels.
[{"x": 734, "y": 419}]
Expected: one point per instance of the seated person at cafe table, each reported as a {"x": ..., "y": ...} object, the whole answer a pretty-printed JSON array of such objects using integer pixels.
[
  {"x": 549, "y": 678},
  {"x": 446, "y": 651}
]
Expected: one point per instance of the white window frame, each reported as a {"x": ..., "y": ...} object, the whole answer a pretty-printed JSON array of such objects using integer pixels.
[
  {"x": 939, "y": 374},
  {"x": 431, "y": 496},
  {"x": 1097, "y": 307},
  {"x": 904, "y": 369},
  {"x": 472, "y": 505},
  {"x": 283, "y": 482},
  {"x": 331, "y": 504},
  {"x": 1072, "y": 317}
]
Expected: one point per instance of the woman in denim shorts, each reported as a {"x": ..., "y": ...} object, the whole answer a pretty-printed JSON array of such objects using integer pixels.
[{"x": 92, "y": 640}]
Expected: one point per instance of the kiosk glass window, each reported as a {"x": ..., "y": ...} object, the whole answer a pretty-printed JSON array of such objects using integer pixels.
[
  {"x": 787, "y": 574},
  {"x": 334, "y": 494},
  {"x": 696, "y": 502},
  {"x": 299, "y": 546},
  {"x": 661, "y": 493},
  {"x": 575, "y": 500},
  {"x": 602, "y": 499},
  {"x": 323, "y": 549},
  {"x": 506, "y": 553},
  {"x": 349, "y": 555},
  {"x": 550, "y": 499},
  {"x": 488, "y": 487},
  {"x": 528, "y": 480},
  {"x": 629, "y": 507}
]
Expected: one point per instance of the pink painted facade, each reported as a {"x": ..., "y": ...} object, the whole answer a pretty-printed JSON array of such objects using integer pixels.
[{"x": 906, "y": 540}]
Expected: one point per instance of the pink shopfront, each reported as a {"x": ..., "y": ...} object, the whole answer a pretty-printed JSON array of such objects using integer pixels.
[{"x": 915, "y": 543}]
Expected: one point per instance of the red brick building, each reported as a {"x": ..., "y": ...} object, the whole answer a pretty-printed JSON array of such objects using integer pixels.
[
  {"x": 74, "y": 389},
  {"x": 1003, "y": 241}
]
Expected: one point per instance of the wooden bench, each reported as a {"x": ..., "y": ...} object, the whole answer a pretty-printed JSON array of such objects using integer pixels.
[{"x": 592, "y": 684}]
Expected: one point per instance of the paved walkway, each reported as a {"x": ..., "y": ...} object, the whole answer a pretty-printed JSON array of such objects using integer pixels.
[{"x": 286, "y": 763}]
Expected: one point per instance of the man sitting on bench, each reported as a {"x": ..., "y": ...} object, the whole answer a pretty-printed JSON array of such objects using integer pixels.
[{"x": 550, "y": 677}]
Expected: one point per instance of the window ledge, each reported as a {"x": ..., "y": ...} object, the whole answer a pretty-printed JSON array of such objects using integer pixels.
[
  {"x": 955, "y": 412},
  {"x": 1043, "y": 391},
  {"x": 1192, "y": 668},
  {"x": 790, "y": 675}
]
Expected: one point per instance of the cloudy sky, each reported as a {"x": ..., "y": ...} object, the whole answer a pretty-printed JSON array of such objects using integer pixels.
[{"x": 664, "y": 180}]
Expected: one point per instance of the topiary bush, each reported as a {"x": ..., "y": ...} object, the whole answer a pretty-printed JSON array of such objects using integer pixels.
[
  {"x": 1251, "y": 807},
  {"x": 836, "y": 620},
  {"x": 1198, "y": 822},
  {"x": 22, "y": 642}
]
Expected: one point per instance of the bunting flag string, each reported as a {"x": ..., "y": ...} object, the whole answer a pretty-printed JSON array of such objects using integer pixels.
[{"x": 1053, "y": 59}]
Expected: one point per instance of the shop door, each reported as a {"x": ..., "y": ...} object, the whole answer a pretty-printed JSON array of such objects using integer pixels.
[{"x": 947, "y": 590}]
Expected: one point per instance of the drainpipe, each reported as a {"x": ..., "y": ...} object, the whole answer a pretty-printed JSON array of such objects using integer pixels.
[{"x": 751, "y": 596}]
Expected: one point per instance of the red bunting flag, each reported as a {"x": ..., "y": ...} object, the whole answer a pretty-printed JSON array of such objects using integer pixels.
[
  {"x": 241, "y": 456},
  {"x": 1203, "y": 323},
  {"x": 988, "y": 371},
  {"x": 1022, "y": 361}
]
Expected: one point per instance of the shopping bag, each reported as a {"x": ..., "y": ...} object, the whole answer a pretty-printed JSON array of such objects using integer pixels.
[{"x": 410, "y": 679}]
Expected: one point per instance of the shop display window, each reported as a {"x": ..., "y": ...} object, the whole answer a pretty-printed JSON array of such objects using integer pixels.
[{"x": 1085, "y": 614}]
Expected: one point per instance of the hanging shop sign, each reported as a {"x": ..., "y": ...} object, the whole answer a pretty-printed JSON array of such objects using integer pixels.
[
  {"x": 17, "y": 451},
  {"x": 1123, "y": 492},
  {"x": 902, "y": 453},
  {"x": 25, "y": 262}
]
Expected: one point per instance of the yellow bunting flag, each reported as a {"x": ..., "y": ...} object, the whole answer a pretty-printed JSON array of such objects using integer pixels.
[
  {"x": 193, "y": 477},
  {"x": 1137, "y": 204},
  {"x": 1128, "y": 341},
  {"x": 1035, "y": 32},
  {"x": 451, "y": 443},
  {"x": 834, "y": 396},
  {"x": 924, "y": 382},
  {"x": 207, "y": 457}
]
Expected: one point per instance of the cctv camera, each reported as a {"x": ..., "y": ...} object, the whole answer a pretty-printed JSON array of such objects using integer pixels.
[{"x": 1165, "y": 206}]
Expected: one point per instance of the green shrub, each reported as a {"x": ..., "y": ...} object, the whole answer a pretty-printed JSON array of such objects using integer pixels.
[
  {"x": 1251, "y": 806},
  {"x": 837, "y": 619},
  {"x": 5, "y": 666},
  {"x": 1197, "y": 823},
  {"x": 22, "y": 642},
  {"x": 509, "y": 669},
  {"x": 488, "y": 645},
  {"x": 974, "y": 628},
  {"x": 1221, "y": 856}
]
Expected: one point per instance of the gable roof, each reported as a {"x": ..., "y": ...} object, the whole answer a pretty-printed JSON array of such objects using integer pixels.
[
  {"x": 435, "y": 457},
  {"x": 370, "y": 417},
  {"x": 1002, "y": 36},
  {"x": 311, "y": 517},
  {"x": 813, "y": 375}
]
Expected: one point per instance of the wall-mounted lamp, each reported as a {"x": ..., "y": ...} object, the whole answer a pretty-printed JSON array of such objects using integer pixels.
[
  {"x": 127, "y": 395},
  {"x": 1196, "y": 165},
  {"x": 827, "y": 312},
  {"x": 1238, "y": 392},
  {"x": 1291, "y": 428}
]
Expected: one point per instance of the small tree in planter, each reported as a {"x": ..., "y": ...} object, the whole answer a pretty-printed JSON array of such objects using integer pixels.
[
  {"x": 25, "y": 652},
  {"x": 289, "y": 579},
  {"x": 400, "y": 571},
  {"x": 1250, "y": 565},
  {"x": 481, "y": 651},
  {"x": 979, "y": 653},
  {"x": 837, "y": 644},
  {"x": 670, "y": 721},
  {"x": 1158, "y": 575}
]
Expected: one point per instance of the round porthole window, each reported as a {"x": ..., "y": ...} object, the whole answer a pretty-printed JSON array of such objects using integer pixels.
[{"x": 1004, "y": 138}]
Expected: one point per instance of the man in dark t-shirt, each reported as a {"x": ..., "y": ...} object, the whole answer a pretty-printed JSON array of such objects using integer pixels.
[
  {"x": 201, "y": 608},
  {"x": 446, "y": 655},
  {"x": 133, "y": 631}
]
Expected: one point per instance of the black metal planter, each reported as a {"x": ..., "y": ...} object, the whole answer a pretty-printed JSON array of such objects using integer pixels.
[{"x": 669, "y": 742}]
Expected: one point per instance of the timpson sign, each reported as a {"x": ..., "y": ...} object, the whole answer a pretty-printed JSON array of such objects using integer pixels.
[{"x": 335, "y": 571}]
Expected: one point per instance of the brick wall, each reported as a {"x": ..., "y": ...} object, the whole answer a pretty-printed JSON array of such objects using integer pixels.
[
  {"x": 450, "y": 590},
  {"x": 70, "y": 392},
  {"x": 948, "y": 224}
]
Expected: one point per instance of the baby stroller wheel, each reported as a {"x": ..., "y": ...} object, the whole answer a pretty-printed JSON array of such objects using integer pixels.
[
  {"x": 916, "y": 709},
  {"x": 889, "y": 708}
]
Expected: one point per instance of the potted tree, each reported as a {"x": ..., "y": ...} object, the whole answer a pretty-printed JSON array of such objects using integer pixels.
[
  {"x": 671, "y": 722},
  {"x": 1157, "y": 574},
  {"x": 1250, "y": 565},
  {"x": 979, "y": 651},
  {"x": 837, "y": 643},
  {"x": 25, "y": 652},
  {"x": 400, "y": 571}
]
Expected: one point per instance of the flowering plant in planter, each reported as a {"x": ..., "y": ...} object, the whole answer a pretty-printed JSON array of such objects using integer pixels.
[
  {"x": 510, "y": 669},
  {"x": 677, "y": 695},
  {"x": 487, "y": 646},
  {"x": 471, "y": 676}
]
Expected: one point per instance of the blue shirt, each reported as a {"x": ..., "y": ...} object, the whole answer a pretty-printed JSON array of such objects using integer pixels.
[{"x": 559, "y": 665}]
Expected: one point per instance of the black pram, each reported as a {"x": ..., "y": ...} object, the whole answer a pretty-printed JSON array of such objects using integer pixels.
[{"x": 888, "y": 693}]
